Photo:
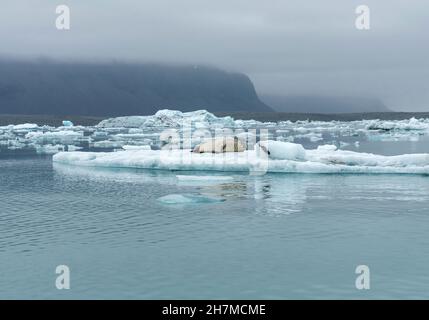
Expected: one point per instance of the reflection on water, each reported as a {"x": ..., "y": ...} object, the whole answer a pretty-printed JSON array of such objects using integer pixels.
[
  {"x": 286, "y": 195},
  {"x": 125, "y": 175},
  {"x": 281, "y": 195},
  {"x": 273, "y": 236}
]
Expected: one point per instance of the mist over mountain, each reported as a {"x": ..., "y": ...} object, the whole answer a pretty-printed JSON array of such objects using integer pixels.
[
  {"x": 323, "y": 104},
  {"x": 119, "y": 89}
]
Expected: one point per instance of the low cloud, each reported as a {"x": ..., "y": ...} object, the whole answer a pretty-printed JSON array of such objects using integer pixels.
[{"x": 293, "y": 47}]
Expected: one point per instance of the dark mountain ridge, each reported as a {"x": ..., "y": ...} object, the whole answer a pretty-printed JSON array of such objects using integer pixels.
[{"x": 120, "y": 89}]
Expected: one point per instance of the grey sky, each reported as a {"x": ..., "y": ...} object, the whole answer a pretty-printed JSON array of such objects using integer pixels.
[{"x": 286, "y": 47}]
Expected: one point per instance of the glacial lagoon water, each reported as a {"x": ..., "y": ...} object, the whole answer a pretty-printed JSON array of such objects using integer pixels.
[
  {"x": 151, "y": 234},
  {"x": 275, "y": 236}
]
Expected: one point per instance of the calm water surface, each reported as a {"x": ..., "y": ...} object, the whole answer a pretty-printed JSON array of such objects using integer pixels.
[{"x": 274, "y": 236}]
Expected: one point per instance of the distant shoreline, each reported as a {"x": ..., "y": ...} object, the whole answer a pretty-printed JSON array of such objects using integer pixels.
[
  {"x": 51, "y": 120},
  {"x": 283, "y": 116}
]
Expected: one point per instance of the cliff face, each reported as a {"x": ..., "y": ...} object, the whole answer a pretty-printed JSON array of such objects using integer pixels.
[
  {"x": 324, "y": 104},
  {"x": 121, "y": 89}
]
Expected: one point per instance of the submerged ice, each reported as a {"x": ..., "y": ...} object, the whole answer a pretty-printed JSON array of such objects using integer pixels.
[{"x": 188, "y": 199}]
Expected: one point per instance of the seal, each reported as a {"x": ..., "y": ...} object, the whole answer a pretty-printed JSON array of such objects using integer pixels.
[{"x": 220, "y": 145}]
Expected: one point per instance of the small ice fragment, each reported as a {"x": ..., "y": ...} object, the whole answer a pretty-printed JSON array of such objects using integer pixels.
[
  {"x": 25, "y": 126},
  {"x": 67, "y": 123},
  {"x": 135, "y": 131},
  {"x": 327, "y": 147},
  {"x": 106, "y": 144},
  {"x": 128, "y": 147},
  {"x": 73, "y": 148},
  {"x": 49, "y": 148}
]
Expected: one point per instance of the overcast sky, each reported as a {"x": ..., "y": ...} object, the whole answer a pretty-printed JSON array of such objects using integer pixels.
[{"x": 285, "y": 46}]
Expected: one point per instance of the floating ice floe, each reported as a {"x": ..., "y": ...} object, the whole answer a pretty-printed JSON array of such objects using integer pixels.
[{"x": 289, "y": 158}]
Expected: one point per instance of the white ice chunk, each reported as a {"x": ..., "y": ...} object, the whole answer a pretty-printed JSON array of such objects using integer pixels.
[
  {"x": 49, "y": 148},
  {"x": 106, "y": 144},
  {"x": 25, "y": 126},
  {"x": 327, "y": 147},
  {"x": 135, "y": 131},
  {"x": 129, "y": 147},
  {"x": 62, "y": 137},
  {"x": 279, "y": 150},
  {"x": 67, "y": 123},
  {"x": 74, "y": 148},
  {"x": 407, "y": 125}
]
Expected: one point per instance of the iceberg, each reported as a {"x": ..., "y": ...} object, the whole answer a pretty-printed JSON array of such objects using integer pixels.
[
  {"x": 106, "y": 144},
  {"x": 170, "y": 119},
  {"x": 288, "y": 158}
]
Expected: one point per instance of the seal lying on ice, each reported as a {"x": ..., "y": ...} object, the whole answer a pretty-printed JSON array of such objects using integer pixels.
[{"x": 220, "y": 145}]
